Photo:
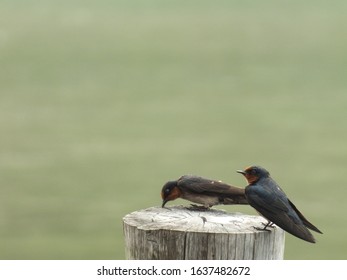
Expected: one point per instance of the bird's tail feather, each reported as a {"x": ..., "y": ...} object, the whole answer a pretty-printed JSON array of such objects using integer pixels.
[{"x": 304, "y": 220}]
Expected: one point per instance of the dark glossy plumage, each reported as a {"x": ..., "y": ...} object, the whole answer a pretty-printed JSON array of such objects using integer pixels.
[
  {"x": 265, "y": 195},
  {"x": 203, "y": 191}
]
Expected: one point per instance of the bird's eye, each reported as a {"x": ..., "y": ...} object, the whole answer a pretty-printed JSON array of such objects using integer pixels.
[{"x": 167, "y": 190}]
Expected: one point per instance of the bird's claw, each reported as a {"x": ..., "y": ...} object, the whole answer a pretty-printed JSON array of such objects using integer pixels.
[
  {"x": 262, "y": 229},
  {"x": 266, "y": 225}
]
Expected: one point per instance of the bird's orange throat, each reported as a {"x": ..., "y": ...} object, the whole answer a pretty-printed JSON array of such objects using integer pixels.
[
  {"x": 175, "y": 193},
  {"x": 251, "y": 179}
]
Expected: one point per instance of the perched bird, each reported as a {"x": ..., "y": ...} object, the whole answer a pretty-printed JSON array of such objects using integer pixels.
[
  {"x": 203, "y": 191},
  {"x": 270, "y": 201}
]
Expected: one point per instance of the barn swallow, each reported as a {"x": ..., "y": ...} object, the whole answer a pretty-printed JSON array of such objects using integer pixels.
[
  {"x": 203, "y": 191},
  {"x": 266, "y": 196}
]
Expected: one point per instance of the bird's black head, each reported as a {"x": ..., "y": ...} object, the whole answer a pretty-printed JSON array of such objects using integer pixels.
[
  {"x": 254, "y": 173},
  {"x": 170, "y": 191}
]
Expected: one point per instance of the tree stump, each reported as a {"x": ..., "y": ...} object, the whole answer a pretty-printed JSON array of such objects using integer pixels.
[{"x": 178, "y": 233}]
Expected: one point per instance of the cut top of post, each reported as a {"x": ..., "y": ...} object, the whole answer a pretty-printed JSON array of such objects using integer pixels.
[
  {"x": 182, "y": 219},
  {"x": 181, "y": 233}
]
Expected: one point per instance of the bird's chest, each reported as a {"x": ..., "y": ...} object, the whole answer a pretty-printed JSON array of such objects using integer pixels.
[
  {"x": 253, "y": 189},
  {"x": 259, "y": 192}
]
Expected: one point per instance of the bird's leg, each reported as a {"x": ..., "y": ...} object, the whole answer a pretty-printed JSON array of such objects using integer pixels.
[
  {"x": 195, "y": 207},
  {"x": 269, "y": 224},
  {"x": 262, "y": 229}
]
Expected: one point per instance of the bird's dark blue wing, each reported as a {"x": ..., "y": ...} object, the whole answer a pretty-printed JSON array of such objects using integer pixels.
[
  {"x": 266, "y": 198},
  {"x": 198, "y": 184},
  {"x": 207, "y": 188},
  {"x": 271, "y": 202}
]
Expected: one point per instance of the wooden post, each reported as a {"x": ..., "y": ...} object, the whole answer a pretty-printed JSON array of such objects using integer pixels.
[{"x": 178, "y": 233}]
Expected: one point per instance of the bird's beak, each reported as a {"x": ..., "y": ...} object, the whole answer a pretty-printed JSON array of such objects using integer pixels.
[
  {"x": 164, "y": 202},
  {"x": 241, "y": 171}
]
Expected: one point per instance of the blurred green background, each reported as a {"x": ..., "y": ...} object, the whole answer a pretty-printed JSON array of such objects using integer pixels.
[{"x": 102, "y": 102}]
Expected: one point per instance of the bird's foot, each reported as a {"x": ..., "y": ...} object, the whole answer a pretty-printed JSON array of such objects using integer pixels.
[
  {"x": 262, "y": 229},
  {"x": 195, "y": 207},
  {"x": 270, "y": 225}
]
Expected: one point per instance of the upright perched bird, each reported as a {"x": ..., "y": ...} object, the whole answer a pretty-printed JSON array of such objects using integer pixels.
[
  {"x": 270, "y": 201},
  {"x": 203, "y": 191}
]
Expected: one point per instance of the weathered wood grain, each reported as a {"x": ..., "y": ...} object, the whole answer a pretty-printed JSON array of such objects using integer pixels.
[{"x": 179, "y": 233}]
